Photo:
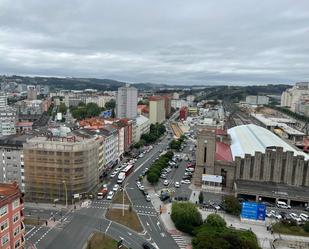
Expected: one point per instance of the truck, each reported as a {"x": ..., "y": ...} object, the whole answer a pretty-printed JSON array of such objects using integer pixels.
[
  {"x": 102, "y": 192},
  {"x": 121, "y": 177}
]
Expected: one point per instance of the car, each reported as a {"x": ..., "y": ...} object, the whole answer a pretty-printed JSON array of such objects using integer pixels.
[
  {"x": 163, "y": 176},
  {"x": 295, "y": 217},
  {"x": 110, "y": 195},
  {"x": 112, "y": 175},
  {"x": 138, "y": 183},
  {"x": 166, "y": 182},
  {"x": 116, "y": 187},
  {"x": 185, "y": 181},
  {"x": 141, "y": 187},
  {"x": 147, "y": 245},
  {"x": 189, "y": 169},
  {"x": 177, "y": 185},
  {"x": 304, "y": 217},
  {"x": 147, "y": 197},
  {"x": 164, "y": 196},
  {"x": 188, "y": 174},
  {"x": 141, "y": 155},
  {"x": 274, "y": 214}
]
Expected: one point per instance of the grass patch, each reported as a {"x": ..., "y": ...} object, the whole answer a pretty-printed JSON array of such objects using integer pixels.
[
  {"x": 130, "y": 218},
  {"x": 101, "y": 241},
  {"x": 33, "y": 221},
  {"x": 118, "y": 198},
  {"x": 289, "y": 229}
]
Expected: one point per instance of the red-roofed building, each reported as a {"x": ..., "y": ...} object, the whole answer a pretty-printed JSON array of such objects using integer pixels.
[
  {"x": 183, "y": 113},
  {"x": 12, "y": 231},
  {"x": 223, "y": 152}
]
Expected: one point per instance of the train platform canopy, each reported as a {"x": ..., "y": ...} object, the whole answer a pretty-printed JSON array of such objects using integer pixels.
[
  {"x": 247, "y": 139},
  {"x": 272, "y": 190}
]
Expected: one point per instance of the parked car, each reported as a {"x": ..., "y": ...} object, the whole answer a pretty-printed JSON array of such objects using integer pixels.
[
  {"x": 273, "y": 214},
  {"x": 177, "y": 185},
  {"x": 282, "y": 204},
  {"x": 112, "y": 175},
  {"x": 110, "y": 195},
  {"x": 141, "y": 187},
  {"x": 116, "y": 187},
  {"x": 295, "y": 217},
  {"x": 166, "y": 182},
  {"x": 304, "y": 217},
  {"x": 163, "y": 176},
  {"x": 185, "y": 181}
]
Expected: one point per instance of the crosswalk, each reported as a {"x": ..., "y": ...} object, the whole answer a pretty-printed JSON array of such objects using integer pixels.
[{"x": 179, "y": 241}]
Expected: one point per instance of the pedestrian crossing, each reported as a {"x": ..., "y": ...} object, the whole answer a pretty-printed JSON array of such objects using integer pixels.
[{"x": 179, "y": 241}]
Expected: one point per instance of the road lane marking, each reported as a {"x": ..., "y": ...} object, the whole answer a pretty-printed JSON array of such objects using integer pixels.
[
  {"x": 108, "y": 226},
  {"x": 30, "y": 231}
]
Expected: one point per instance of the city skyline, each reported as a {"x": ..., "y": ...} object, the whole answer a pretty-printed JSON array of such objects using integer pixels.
[{"x": 175, "y": 42}]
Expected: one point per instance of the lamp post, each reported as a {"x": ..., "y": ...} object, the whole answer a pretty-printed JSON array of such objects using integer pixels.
[{"x": 66, "y": 193}]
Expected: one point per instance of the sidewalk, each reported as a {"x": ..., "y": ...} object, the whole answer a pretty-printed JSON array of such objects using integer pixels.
[{"x": 47, "y": 206}]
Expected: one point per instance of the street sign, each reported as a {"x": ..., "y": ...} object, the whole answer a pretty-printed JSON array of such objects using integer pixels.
[{"x": 253, "y": 211}]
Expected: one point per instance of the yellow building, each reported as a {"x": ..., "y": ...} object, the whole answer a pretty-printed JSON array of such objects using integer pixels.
[{"x": 156, "y": 109}]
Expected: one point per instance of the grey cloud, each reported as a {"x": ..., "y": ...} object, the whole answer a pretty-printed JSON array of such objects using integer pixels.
[{"x": 174, "y": 42}]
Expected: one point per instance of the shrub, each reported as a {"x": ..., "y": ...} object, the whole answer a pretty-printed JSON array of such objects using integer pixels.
[
  {"x": 186, "y": 216},
  {"x": 306, "y": 227},
  {"x": 232, "y": 205},
  {"x": 215, "y": 220},
  {"x": 201, "y": 198}
]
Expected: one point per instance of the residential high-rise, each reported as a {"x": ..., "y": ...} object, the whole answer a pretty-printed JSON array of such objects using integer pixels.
[
  {"x": 7, "y": 117},
  {"x": 12, "y": 232},
  {"x": 126, "y": 102},
  {"x": 156, "y": 109},
  {"x": 31, "y": 92}
]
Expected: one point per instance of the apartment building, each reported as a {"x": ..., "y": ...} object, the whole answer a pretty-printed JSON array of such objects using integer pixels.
[
  {"x": 12, "y": 159},
  {"x": 12, "y": 228},
  {"x": 156, "y": 109},
  {"x": 142, "y": 126},
  {"x": 7, "y": 117},
  {"x": 126, "y": 102},
  {"x": 60, "y": 167}
]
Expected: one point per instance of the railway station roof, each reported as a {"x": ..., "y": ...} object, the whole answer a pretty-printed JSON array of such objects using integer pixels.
[{"x": 247, "y": 139}]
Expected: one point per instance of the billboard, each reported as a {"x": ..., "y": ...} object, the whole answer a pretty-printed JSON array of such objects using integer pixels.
[
  {"x": 253, "y": 211},
  {"x": 106, "y": 114}
]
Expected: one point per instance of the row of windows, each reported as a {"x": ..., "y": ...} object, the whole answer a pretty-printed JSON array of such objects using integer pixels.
[
  {"x": 5, "y": 224},
  {"x": 6, "y": 238},
  {"x": 4, "y": 209}
]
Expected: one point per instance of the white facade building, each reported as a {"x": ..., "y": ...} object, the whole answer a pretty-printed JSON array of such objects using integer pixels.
[
  {"x": 178, "y": 103},
  {"x": 126, "y": 100},
  {"x": 7, "y": 117},
  {"x": 141, "y": 126},
  {"x": 292, "y": 96},
  {"x": 257, "y": 100}
]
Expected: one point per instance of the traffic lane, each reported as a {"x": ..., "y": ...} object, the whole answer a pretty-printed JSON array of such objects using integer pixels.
[
  {"x": 76, "y": 233},
  {"x": 130, "y": 238},
  {"x": 157, "y": 232}
]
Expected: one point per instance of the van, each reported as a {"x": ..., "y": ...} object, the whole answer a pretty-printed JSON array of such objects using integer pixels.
[{"x": 282, "y": 204}]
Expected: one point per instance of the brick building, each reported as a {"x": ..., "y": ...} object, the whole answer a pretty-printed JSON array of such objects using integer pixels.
[{"x": 12, "y": 228}]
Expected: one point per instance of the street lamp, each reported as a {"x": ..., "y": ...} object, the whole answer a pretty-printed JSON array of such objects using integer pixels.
[{"x": 66, "y": 193}]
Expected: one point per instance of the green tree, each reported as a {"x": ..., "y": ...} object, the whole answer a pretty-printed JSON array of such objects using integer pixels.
[
  {"x": 231, "y": 205},
  {"x": 186, "y": 216},
  {"x": 152, "y": 177},
  {"x": 62, "y": 108},
  {"x": 110, "y": 104},
  {"x": 92, "y": 110},
  {"x": 215, "y": 220},
  {"x": 306, "y": 227}
]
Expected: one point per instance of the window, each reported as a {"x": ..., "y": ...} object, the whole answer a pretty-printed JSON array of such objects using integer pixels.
[
  {"x": 17, "y": 244},
  {"x": 4, "y": 225},
  {"x": 4, "y": 210},
  {"x": 16, "y": 231},
  {"x": 15, "y": 218},
  {"x": 5, "y": 239},
  {"x": 16, "y": 203}
]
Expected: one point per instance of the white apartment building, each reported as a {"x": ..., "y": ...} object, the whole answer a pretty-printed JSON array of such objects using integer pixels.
[
  {"x": 178, "y": 103},
  {"x": 126, "y": 102},
  {"x": 257, "y": 100},
  {"x": 141, "y": 126},
  {"x": 292, "y": 96},
  {"x": 7, "y": 117}
]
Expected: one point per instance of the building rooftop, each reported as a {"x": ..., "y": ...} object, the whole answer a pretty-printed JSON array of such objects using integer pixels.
[
  {"x": 8, "y": 189},
  {"x": 14, "y": 140},
  {"x": 247, "y": 139},
  {"x": 223, "y": 152}
]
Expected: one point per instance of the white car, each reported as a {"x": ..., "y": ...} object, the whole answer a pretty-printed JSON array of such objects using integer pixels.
[
  {"x": 138, "y": 183},
  {"x": 112, "y": 175},
  {"x": 166, "y": 182},
  {"x": 295, "y": 217},
  {"x": 190, "y": 170},
  {"x": 141, "y": 187},
  {"x": 177, "y": 185},
  {"x": 186, "y": 181},
  {"x": 304, "y": 217},
  {"x": 110, "y": 195},
  {"x": 274, "y": 214},
  {"x": 116, "y": 187}
]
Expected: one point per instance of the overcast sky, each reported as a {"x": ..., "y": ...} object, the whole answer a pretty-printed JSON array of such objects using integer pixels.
[{"x": 161, "y": 41}]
